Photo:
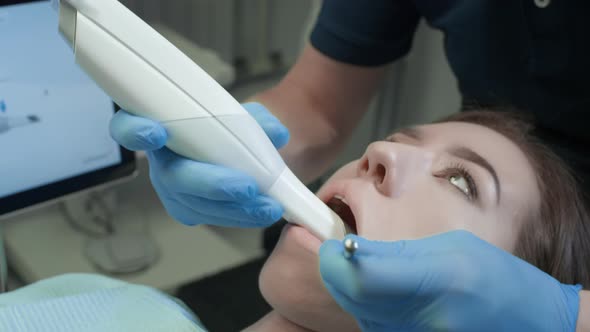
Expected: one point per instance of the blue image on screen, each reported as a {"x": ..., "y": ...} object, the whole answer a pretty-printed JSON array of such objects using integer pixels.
[{"x": 54, "y": 119}]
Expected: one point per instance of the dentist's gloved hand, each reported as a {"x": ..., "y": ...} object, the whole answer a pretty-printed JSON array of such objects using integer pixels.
[
  {"x": 449, "y": 282},
  {"x": 194, "y": 192}
]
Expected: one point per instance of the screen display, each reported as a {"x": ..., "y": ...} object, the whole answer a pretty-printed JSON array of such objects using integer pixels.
[{"x": 53, "y": 118}]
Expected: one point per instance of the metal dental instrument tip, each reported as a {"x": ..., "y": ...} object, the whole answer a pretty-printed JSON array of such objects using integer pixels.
[{"x": 350, "y": 247}]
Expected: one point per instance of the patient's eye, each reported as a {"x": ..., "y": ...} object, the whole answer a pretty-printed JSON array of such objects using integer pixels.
[
  {"x": 458, "y": 176},
  {"x": 461, "y": 183}
]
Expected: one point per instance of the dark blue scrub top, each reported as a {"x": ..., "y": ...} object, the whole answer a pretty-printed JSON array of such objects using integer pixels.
[{"x": 530, "y": 54}]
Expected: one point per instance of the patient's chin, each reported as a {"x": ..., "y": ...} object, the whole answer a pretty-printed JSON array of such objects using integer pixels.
[{"x": 290, "y": 282}]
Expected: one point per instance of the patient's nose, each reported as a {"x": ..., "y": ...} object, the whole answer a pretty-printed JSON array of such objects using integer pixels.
[{"x": 394, "y": 167}]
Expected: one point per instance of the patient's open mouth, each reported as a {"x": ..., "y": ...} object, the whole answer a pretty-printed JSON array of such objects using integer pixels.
[{"x": 338, "y": 204}]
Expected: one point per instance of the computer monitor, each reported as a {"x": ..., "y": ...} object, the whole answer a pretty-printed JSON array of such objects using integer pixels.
[{"x": 54, "y": 137}]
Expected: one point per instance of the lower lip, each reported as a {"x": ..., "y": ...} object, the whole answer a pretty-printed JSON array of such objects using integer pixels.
[{"x": 303, "y": 237}]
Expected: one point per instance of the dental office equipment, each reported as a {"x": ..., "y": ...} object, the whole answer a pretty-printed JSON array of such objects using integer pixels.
[
  {"x": 350, "y": 247},
  {"x": 145, "y": 74},
  {"x": 51, "y": 151}
]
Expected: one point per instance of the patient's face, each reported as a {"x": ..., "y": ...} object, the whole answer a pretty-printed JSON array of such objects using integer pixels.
[{"x": 421, "y": 182}]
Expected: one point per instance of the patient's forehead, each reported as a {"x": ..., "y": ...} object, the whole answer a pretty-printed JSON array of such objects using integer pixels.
[
  {"x": 483, "y": 140},
  {"x": 471, "y": 135}
]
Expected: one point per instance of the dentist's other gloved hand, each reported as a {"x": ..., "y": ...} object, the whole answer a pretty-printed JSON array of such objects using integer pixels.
[
  {"x": 194, "y": 192},
  {"x": 449, "y": 282}
]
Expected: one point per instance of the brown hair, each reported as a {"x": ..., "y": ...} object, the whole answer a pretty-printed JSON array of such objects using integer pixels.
[{"x": 556, "y": 238}]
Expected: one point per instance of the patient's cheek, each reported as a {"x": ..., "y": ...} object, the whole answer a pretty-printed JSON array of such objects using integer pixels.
[
  {"x": 268, "y": 283},
  {"x": 290, "y": 282},
  {"x": 282, "y": 285},
  {"x": 290, "y": 275}
]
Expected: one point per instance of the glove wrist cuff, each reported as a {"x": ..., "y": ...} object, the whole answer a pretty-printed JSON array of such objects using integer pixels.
[{"x": 571, "y": 298}]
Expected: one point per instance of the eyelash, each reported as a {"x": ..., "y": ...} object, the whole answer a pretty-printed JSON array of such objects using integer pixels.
[{"x": 461, "y": 170}]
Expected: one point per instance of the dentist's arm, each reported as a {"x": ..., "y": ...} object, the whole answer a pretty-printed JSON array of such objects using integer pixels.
[{"x": 320, "y": 101}]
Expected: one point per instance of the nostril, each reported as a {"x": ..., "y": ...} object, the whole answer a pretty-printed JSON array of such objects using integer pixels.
[
  {"x": 380, "y": 173},
  {"x": 364, "y": 166}
]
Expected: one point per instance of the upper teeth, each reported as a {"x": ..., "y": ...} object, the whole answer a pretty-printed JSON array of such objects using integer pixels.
[{"x": 341, "y": 198}]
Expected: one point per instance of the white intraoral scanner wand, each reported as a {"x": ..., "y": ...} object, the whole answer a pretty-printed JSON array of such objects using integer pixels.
[{"x": 147, "y": 76}]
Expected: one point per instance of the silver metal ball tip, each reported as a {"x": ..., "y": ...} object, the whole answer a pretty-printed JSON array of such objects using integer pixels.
[{"x": 350, "y": 246}]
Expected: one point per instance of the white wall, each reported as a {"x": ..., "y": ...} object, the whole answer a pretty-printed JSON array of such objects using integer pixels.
[{"x": 248, "y": 30}]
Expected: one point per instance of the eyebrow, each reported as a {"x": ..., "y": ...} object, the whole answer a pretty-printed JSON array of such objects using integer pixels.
[
  {"x": 472, "y": 156},
  {"x": 411, "y": 132},
  {"x": 461, "y": 152}
]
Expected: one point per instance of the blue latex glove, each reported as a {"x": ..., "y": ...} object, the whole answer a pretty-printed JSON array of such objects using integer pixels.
[
  {"x": 194, "y": 192},
  {"x": 449, "y": 282}
]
